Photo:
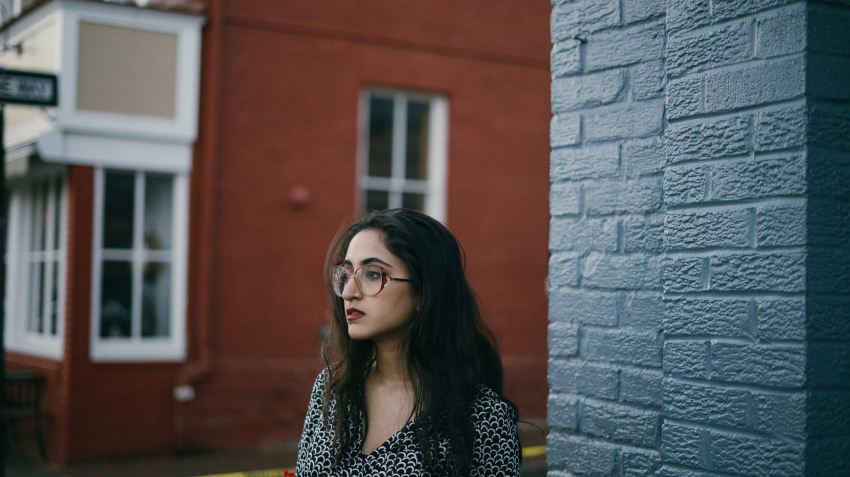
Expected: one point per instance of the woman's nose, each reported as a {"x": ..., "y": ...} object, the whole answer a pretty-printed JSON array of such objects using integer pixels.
[{"x": 350, "y": 290}]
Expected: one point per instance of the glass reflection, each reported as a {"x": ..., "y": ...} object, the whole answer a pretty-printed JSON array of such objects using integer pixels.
[{"x": 116, "y": 299}]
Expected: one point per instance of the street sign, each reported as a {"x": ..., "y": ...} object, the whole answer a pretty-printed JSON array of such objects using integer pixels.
[{"x": 26, "y": 87}]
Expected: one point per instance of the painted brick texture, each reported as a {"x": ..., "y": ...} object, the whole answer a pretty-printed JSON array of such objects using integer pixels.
[
  {"x": 700, "y": 235},
  {"x": 606, "y": 234}
]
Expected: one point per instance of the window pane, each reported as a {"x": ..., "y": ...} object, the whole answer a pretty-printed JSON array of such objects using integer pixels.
[
  {"x": 380, "y": 137},
  {"x": 158, "y": 191},
  {"x": 377, "y": 199},
  {"x": 54, "y": 300},
  {"x": 35, "y": 297},
  {"x": 119, "y": 190},
  {"x": 410, "y": 200},
  {"x": 37, "y": 232},
  {"x": 42, "y": 216},
  {"x": 115, "y": 302},
  {"x": 156, "y": 299},
  {"x": 417, "y": 140},
  {"x": 57, "y": 209}
]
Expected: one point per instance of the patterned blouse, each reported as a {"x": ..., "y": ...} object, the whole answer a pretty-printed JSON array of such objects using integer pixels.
[{"x": 496, "y": 450}]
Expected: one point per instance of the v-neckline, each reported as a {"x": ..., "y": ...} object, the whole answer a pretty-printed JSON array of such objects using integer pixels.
[
  {"x": 387, "y": 442},
  {"x": 364, "y": 422}
]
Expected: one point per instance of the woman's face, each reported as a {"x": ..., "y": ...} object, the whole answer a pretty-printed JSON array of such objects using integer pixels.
[{"x": 382, "y": 316}]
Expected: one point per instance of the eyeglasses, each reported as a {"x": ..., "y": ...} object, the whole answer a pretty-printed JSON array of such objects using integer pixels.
[{"x": 369, "y": 279}]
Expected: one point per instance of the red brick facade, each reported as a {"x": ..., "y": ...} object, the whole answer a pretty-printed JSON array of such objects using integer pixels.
[{"x": 279, "y": 105}]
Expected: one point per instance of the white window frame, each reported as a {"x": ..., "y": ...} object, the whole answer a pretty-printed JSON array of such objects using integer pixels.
[
  {"x": 434, "y": 187},
  {"x": 21, "y": 216},
  {"x": 137, "y": 348}
]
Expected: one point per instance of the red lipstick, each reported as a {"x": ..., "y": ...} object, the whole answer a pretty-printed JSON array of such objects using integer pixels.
[{"x": 352, "y": 314}]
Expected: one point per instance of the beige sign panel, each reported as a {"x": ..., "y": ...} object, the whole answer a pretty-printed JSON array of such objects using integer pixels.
[{"x": 126, "y": 71}]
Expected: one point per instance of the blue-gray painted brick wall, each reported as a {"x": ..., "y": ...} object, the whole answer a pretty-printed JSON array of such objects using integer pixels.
[
  {"x": 828, "y": 229},
  {"x": 700, "y": 230}
]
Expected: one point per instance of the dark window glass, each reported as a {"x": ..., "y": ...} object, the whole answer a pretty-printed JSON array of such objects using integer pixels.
[
  {"x": 115, "y": 302},
  {"x": 57, "y": 206},
  {"x": 380, "y": 137},
  {"x": 416, "y": 158},
  {"x": 54, "y": 300},
  {"x": 119, "y": 191},
  {"x": 410, "y": 200},
  {"x": 377, "y": 200},
  {"x": 42, "y": 215}
]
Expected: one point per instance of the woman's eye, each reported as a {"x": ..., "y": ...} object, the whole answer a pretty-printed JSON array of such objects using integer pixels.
[{"x": 372, "y": 275}]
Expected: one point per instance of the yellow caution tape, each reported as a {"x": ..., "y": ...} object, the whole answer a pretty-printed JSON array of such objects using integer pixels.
[
  {"x": 534, "y": 451},
  {"x": 256, "y": 473}
]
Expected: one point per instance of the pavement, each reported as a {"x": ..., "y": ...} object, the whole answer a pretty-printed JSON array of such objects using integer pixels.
[
  {"x": 271, "y": 462},
  {"x": 245, "y": 462}
]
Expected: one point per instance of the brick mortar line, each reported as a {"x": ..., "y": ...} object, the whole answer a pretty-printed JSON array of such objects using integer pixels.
[
  {"x": 731, "y": 113},
  {"x": 635, "y": 405},
  {"x": 717, "y": 204},
  {"x": 704, "y": 293},
  {"x": 609, "y": 365},
  {"x": 378, "y": 41},
  {"x": 750, "y": 156},
  {"x": 702, "y": 470},
  {"x": 738, "y": 66},
  {"x": 754, "y": 388},
  {"x": 733, "y": 430},
  {"x": 607, "y": 443}
]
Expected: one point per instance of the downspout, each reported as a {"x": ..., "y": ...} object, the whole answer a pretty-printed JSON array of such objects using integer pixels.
[{"x": 200, "y": 367}]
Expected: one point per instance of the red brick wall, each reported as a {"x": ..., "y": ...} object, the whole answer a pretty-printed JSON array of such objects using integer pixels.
[
  {"x": 113, "y": 409},
  {"x": 279, "y": 99},
  {"x": 284, "y": 114}
]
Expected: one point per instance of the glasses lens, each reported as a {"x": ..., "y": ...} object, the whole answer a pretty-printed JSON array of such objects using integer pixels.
[
  {"x": 340, "y": 279},
  {"x": 371, "y": 279}
]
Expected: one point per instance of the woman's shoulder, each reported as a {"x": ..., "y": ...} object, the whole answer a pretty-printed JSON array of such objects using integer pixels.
[
  {"x": 321, "y": 378},
  {"x": 488, "y": 404},
  {"x": 318, "y": 391}
]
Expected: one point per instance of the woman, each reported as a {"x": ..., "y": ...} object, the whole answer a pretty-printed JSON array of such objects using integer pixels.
[{"x": 413, "y": 379}]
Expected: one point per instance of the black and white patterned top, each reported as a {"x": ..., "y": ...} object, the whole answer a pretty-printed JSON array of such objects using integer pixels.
[{"x": 496, "y": 451}]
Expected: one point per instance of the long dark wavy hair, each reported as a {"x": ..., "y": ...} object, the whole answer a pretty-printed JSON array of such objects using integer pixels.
[{"x": 448, "y": 348}]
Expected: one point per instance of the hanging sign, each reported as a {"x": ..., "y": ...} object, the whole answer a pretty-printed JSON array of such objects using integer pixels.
[{"x": 26, "y": 87}]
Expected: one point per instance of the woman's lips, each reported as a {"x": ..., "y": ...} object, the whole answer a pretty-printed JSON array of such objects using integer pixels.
[{"x": 352, "y": 314}]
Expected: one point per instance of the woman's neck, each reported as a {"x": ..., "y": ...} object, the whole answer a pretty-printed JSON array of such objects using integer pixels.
[{"x": 389, "y": 363}]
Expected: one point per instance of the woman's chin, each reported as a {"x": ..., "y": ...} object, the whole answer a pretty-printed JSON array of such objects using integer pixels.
[{"x": 357, "y": 334}]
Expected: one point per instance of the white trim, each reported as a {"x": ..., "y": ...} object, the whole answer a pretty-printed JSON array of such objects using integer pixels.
[
  {"x": 399, "y": 148},
  {"x": 97, "y": 138},
  {"x": 135, "y": 348},
  {"x": 438, "y": 152},
  {"x": 434, "y": 188},
  {"x": 138, "y": 258},
  {"x": 361, "y": 162},
  {"x": 120, "y": 153},
  {"x": 19, "y": 257},
  {"x": 390, "y": 184},
  {"x": 183, "y": 127}
]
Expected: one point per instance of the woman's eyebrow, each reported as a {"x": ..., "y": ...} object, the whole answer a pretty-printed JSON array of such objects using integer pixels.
[{"x": 366, "y": 261}]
